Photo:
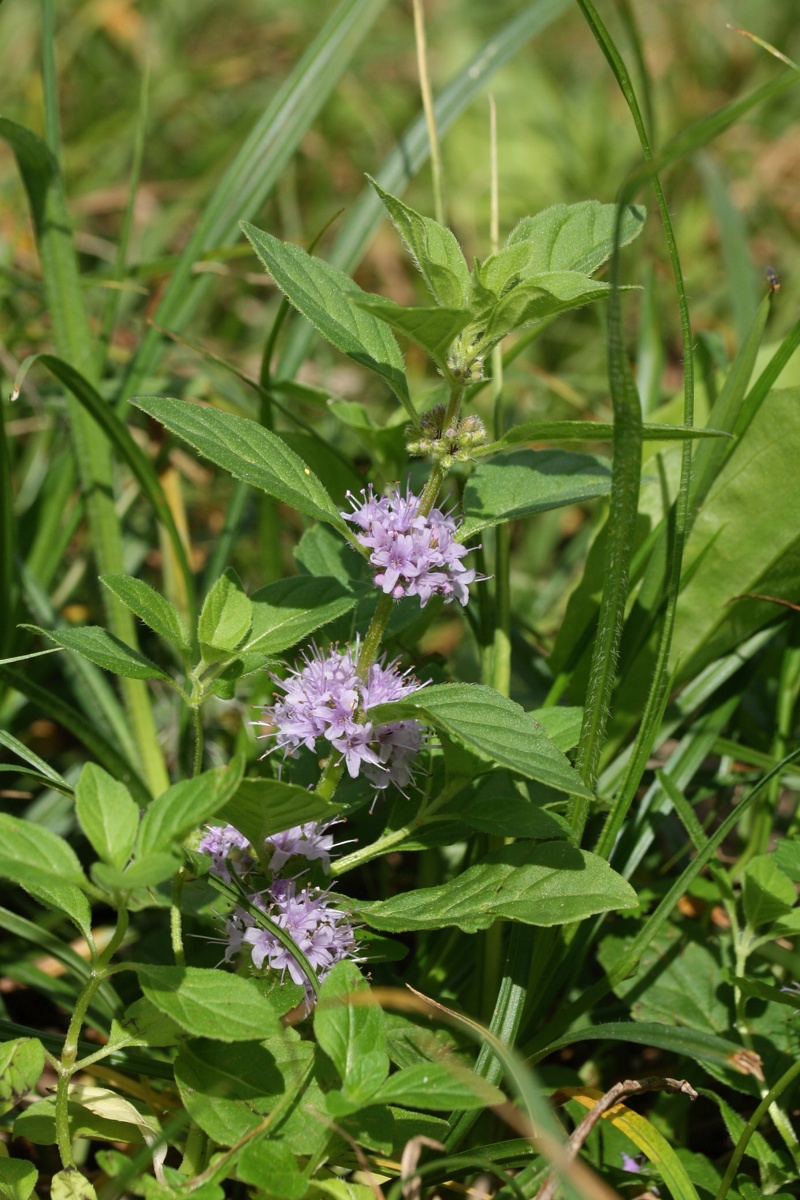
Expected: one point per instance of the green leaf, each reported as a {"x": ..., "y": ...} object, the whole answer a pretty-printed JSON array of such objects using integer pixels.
[
  {"x": 186, "y": 805},
  {"x": 70, "y": 1184},
  {"x": 142, "y": 872},
  {"x": 105, "y": 650},
  {"x": 66, "y": 899},
  {"x": 448, "y": 1086},
  {"x": 787, "y": 857},
  {"x": 225, "y": 619},
  {"x": 530, "y": 481},
  {"x": 228, "y": 1090},
  {"x": 23, "y": 843},
  {"x": 491, "y": 726},
  {"x": 434, "y": 249},
  {"x": 500, "y": 807},
  {"x": 329, "y": 300},
  {"x": 767, "y": 894},
  {"x": 150, "y": 607},
  {"x": 431, "y": 328},
  {"x": 107, "y": 813},
  {"x": 21, "y": 1065},
  {"x": 261, "y": 807},
  {"x": 17, "y": 1178},
  {"x": 247, "y": 451},
  {"x": 594, "y": 431},
  {"x": 575, "y": 237},
  {"x": 93, "y": 1112},
  {"x": 287, "y": 611},
  {"x": 543, "y": 885},
  {"x": 561, "y": 723},
  {"x": 209, "y": 1003},
  {"x": 27, "y": 755},
  {"x": 271, "y": 1159},
  {"x": 352, "y": 1034},
  {"x": 144, "y": 1025}
]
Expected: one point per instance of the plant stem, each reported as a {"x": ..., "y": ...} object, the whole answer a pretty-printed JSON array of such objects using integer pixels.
[
  {"x": 175, "y": 921},
  {"x": 69, "y": 1052},
  {"x": 430, "y": 118},
  {"x": 396, "y": 836}
]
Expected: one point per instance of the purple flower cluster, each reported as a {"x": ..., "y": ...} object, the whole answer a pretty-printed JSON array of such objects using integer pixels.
[
  {"x": 322, "y": 932},
  {"x": 327, "y": 698},
  {"x": 414, "y": 555}
]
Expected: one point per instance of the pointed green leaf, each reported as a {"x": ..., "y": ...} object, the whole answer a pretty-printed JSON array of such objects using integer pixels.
[
  {"x": 575, "y": 237},
  {"x": 767, "y": 894},
  {"x": 287, "y": 611},
  {"x": 491, "y": 726},
  {"x": 431, "y": 328},
  {"x": 25, "y": 843},
  {"x": 108, "y": 814},
  {"x": 543, "y": 885},
  {"x": 353, "y": 1035},
  {"x": 105, "y": 650},
  {"x": 21, "y": 1064},
  {"x": 17, "y": 1178},
  {"x": 433, "y": 248},
  {"x": 247, "y": 451},
  {"x": 225, "y": 619},
  {"x": 261, "y": 807},
  {"x": 209, "y": 1003},
  {"x": 328, "y": 299},
  {"x": 150, "y": 607},
  {"x": 530, "y": 481},
  {"x": 186, "y": 805}
]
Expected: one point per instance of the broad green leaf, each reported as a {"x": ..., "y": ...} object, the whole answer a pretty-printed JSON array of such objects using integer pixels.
[
  {"x": 17, "y": 1178},
  {"x": 787, "y": 857},
  {"x": 228, "y": 1090},
  {"x": 70, "y": 1184},
  {"x": 437, "y": 1085},
  {"x": 501, "y": 271},
  {"x": 561, "y": 723},
  {"x": 767, "y": 894},
  {"x": 208, "y": 1002},
  {"x": 345, "y": 1189},
  {"x": 261, "y": 807},
  {"x": 151, "y": 607},
  {"x": 107, "y": 813},
  {"x": 549, "y": 884},
  {"x": 64, "y": 898},
  {"x": 352, "y": 1034},
  {"x": 645, "y": 1136},
  {"x": 21, "y": 1064},
  {"x": 38, "y": 1125},
  {"x": 594, "y": 431},
  {"x": 247, "y": 451},
  {"x": 271, "y": 1159},
  {"x": 491, "y": 726},
  {"x": 755, "y": 535},
  {"x": 25, "y": 843},
  {"x": 142, "y": 872},
  {"x": 530, "y": 481},
  {"x": 541, "y": 296},
  {"x": 329, "y": 300},
  {"x": 433, "y": 248},
  {"x": 575, "y": 237},
  {"x": 500, "y": 807},
  {"x": 186, "y": 805},
  {"x": 431, "y": 328},
  {"x": 144, "y": 1025},
  {"x": 225, "y": 619},
  {"x": 105, "y": 650},
  {"x": 287, "y": 611}
]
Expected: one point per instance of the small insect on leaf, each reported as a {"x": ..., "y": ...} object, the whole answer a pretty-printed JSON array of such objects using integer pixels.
[{"x": 773, "y": 279}]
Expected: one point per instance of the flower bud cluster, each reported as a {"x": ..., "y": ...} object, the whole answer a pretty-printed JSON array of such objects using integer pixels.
[{"x": 445, "y": 444}]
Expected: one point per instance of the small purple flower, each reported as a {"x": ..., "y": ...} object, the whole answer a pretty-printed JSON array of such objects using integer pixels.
[
  {"x": 226, "y": 845},
  {"x": 414, "y": 555},
  {"x": 631, "y": 1163},
  {"x": 322, "y": 932},
  {"x": 327, "y": 698},
  {"x": 311, "y": 841}
]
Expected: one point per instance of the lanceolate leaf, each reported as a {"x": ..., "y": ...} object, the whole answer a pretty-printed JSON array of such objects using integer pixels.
[
  {"x": 261, "y": 807},
  {"x": 329, "y": 299},
  {"x": 431, "y": 328},
  {"x": 108, "y": 814},
  {"x": 103, "y": 648},
  {"x": 289, "y": 610},
  {"x": 491, "y": 726},
  {"x": 433, "y": 248},
  {"x": 150, "y": 606},
  {"x": 549, "y": 884},
  {"x": 246, "y": 450},
  {"x": 530, "y": 481},
  {"x": 209, "y": 1003},
  {"x": 186, "y": 805}
]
